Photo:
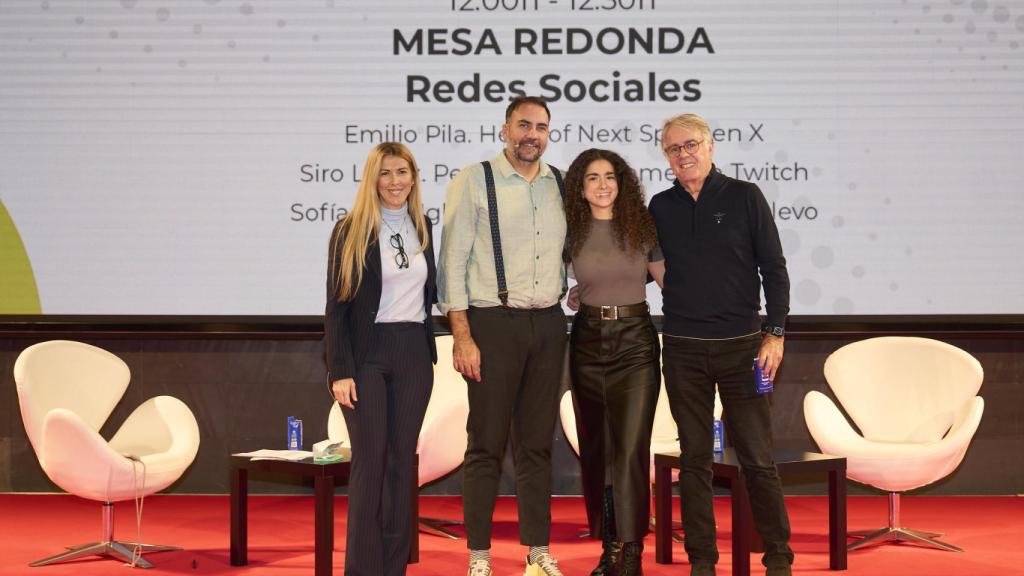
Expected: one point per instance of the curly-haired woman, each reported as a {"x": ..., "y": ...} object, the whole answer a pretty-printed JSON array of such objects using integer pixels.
[{"x": 613, "y": 246}]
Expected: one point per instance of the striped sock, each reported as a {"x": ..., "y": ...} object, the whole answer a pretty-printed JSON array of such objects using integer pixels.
[
  {"x": 536, "y": 552},
  {"x": 484, "y": 555}
]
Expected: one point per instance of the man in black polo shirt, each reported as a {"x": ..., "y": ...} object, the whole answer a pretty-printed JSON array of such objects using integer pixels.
[{"x": 717, "y": 235}]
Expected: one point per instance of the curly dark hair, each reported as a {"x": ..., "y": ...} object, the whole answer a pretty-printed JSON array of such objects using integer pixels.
[{"x": 631, "y": 222}]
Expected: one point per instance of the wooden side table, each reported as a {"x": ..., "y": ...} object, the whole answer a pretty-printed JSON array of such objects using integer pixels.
[
  {"x": 325, "y": 478},
  {"x": 726, "y": 472}
]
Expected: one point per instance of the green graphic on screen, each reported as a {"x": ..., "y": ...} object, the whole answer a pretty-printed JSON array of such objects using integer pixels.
[{"x": 18, "y": 292}]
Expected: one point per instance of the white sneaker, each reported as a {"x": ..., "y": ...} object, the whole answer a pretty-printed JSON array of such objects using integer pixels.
[
  {"x": 479, "y": 568},
  {"x": 546, "y": 565}
]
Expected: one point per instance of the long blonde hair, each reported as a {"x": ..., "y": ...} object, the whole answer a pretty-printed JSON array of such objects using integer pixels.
[{"x": 361, "y": 227}]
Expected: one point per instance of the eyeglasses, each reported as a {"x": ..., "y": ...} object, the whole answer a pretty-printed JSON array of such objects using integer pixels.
[
  {"x": 690, "y": 146},
  {"x": 400, "y": 257}
]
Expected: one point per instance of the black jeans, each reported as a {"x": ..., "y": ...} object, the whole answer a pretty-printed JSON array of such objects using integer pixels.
[
  {"x": 521, "y": 357},
  {"x": 692, "y": 368}
]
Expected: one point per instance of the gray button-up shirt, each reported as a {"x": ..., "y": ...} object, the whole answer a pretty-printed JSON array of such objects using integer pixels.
[{"x": 532, "y": 224}]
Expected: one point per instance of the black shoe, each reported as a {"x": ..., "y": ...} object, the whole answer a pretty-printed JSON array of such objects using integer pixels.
[
  {"x": 610, "y": 556},
  {"x": 632, "y": 559}
]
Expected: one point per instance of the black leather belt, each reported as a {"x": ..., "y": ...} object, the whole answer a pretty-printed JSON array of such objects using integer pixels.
[{"x": 616, "y": 312}]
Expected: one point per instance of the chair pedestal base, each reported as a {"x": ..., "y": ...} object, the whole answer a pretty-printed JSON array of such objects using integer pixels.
[
  {"x": 901, "y": 535},
  {"x": 895, "y": 533},
  {"x": 123, "y": 551},
  {"x": 866, "y": 533},
  {"x": 439, "y": 527}
]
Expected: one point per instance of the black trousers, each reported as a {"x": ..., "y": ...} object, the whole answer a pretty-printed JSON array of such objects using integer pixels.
[
  {"x": 615, "y": 382},
  {"x": 393, "y": 387},
  {"x": 522, "y": 353},
  {"x": 692, "y": 367}
]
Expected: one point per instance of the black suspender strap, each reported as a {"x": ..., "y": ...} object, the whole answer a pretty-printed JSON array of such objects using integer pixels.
[
  {"x": 561, "y": 183},
  {"x": 492, "y": 212}
]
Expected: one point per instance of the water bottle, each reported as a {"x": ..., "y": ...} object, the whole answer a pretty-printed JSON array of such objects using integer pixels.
[{"x": 294, "y": 433}]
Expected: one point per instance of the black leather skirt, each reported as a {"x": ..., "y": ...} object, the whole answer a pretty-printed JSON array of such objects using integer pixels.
[{"x": 615, "y": 381}]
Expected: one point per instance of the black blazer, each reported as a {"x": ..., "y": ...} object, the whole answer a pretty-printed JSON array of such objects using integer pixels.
[{"x": 349, "y": 325}]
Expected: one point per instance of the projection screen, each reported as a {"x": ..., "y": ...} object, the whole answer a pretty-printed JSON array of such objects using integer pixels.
[{"x": 190, "y": 157}]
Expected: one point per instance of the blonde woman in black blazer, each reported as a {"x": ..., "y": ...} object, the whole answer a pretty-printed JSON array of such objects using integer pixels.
[{"x": 380, "y": 347}]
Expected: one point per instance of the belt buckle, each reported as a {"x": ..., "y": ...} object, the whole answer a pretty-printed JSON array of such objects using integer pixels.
[{"x": 609, "y": 312}]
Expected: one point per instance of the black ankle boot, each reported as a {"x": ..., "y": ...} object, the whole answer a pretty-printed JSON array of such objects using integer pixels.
[
  {"x": 632, "y": 559},
  {"x": 611, "y": 555},
  {"x": 611, "y": 550}
]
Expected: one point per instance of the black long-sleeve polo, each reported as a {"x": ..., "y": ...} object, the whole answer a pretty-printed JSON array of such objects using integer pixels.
[{"x": 714, "y": 248}]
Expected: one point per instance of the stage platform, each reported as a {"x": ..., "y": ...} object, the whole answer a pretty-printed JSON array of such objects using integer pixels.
[{"x": 989, "y": 529}]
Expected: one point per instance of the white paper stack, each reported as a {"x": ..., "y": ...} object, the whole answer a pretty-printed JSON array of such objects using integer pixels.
[{"x": 266, "y": 454}]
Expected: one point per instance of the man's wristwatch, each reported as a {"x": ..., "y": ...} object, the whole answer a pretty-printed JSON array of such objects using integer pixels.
[{"x": 773, "y": 330}]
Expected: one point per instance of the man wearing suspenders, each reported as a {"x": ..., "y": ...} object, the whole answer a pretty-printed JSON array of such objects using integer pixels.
[{"x": 500, "y": 280}]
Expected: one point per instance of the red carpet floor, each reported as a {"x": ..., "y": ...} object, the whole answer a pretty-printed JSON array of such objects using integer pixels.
[{"x": 989, "y": 529}]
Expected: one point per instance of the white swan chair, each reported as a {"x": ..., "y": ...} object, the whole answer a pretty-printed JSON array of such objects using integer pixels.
[
  {"x": 67, "y": 390},
  {"x": 915, "y": 403}
]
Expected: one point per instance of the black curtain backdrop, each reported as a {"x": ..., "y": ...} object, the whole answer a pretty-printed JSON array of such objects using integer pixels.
[{"x": 243, "y": 379}]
